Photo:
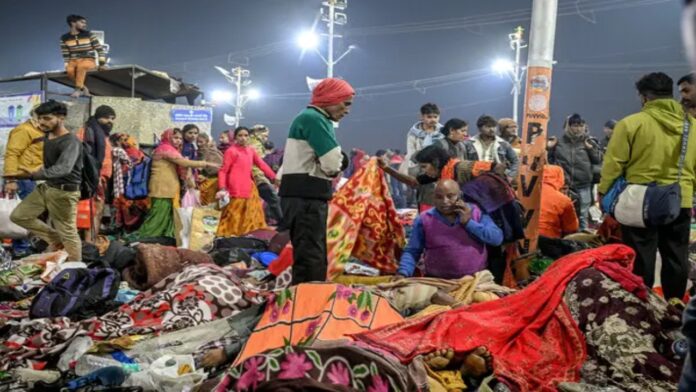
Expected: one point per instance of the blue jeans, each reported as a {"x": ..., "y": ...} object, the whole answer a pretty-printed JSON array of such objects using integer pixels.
[
  {"x": 397, "y": 192},
  {"x": 585, "y": 195},
  {"x": 25, "y": 187}
]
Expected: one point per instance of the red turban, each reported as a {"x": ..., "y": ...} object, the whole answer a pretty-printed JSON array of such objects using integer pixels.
[{"x": 331, "y": 91}]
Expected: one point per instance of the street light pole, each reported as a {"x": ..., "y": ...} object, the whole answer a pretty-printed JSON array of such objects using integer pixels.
[
  {"x": 241, "y": 99},
  {"x": 330, "y": 55},
  {"x": 517, "y": 44}
]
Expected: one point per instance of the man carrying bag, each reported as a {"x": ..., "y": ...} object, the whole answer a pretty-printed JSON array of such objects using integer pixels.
[{"x": 648, "y": 182}]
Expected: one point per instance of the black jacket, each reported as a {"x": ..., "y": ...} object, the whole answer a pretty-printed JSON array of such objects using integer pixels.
[{"x": 576, "y": 160}]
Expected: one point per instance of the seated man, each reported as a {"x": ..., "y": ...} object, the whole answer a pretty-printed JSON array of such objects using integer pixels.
[
  {"x": 557, "y": 218},
  {"x": 453, "y": 236}
]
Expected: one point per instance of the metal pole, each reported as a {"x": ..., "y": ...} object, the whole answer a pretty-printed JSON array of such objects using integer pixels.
[
  {"x": 238, "y": 105},
  {"x": 535, "y": 124},
  {"x": 330, "y": 55}
]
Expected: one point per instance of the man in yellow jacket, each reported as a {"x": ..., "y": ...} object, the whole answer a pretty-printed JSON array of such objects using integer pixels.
[
  {"x": 24, "y": 151},
  {"x": 645, "y": 148}
]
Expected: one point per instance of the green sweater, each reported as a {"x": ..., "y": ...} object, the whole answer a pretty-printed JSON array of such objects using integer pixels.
[
  {"x": 312, "y": 156},
  {"x": 645, "y": 148}
]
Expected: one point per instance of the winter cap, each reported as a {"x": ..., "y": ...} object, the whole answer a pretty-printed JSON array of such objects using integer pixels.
[
  {"x": 610, "y": 124},
  {"x": 575, "y": 119}
]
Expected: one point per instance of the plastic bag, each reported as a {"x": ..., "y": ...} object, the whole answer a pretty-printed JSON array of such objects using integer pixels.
[
  {"x": 204, "y": 224},
  {"x": 7, "y": 228},
  {"x": 183, "y": 226},
  {"x": 170, "y": 373},
  {"x": 190, "y": 199},
  {"x": 77, "y": 349}
]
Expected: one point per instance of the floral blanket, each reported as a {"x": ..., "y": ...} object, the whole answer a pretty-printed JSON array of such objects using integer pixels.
[
  {"x": 197, "y": 295},
  {"x": 363, "y": 223},
  {"x": 345, "y": 364},
  {"x": 629, "y": 340},
  {"x": 311, "y": 312}
]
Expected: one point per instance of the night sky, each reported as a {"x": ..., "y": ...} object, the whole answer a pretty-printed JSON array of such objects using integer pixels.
[{"x": 409, "y": 52}]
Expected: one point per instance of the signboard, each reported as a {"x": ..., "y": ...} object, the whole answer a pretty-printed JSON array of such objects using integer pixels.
[
  {"x": 14, "y": 110},
  {"x": 191, "y": 115},
  {"x": 534, "y": 130}
]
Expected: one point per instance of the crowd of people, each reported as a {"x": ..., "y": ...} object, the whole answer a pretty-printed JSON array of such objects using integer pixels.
[{"x": 411, "y": 257}]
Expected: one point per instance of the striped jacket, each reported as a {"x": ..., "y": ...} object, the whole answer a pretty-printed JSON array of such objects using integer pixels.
[
  {"x": 312, "y": 157},
  {"x": 81, "y": 46}
]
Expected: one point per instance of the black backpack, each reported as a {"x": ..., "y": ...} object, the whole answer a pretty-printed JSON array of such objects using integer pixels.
[
  {"x": 74, "y": 290},
  {"x": 90, "y": 172}
]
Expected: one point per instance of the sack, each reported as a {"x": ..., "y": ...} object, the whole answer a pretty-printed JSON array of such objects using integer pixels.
[
  {"x": 73, "y": 290},
  {"x": 138, "y": 179},
  {"x": 240, "y": 242},
  {"x": 648, "y": 205},
  {"x": 90, "y": 174},
  {"x": 7, "y": 228},
  {"x": 204, "y": 224}
]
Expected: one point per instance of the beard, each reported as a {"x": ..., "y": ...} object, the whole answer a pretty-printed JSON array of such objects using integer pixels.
[{"x": 107, "y": 127}]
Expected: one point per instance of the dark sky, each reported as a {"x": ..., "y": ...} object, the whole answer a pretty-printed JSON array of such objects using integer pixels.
[{"x": 602, "y": 47}]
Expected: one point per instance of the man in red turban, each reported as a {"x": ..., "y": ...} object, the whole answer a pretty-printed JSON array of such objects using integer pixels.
[{"x": 312, "y": 159}]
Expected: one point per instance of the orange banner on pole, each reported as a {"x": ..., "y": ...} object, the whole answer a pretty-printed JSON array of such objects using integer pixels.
[{"x": 534, "y": 130}]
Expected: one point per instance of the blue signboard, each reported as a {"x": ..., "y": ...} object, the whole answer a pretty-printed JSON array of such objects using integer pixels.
[{"x": 192, "y": 116}]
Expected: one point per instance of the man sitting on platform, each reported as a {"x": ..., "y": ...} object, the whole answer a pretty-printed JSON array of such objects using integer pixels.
[{"x": 453, "y": 236}]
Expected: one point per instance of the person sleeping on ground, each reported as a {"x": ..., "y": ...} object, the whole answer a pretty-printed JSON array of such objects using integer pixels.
[{"x": 453, "y": 236}]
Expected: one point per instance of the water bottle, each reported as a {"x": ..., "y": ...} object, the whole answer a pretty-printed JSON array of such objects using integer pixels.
[
  {"x": 19, "y": 113},
  {"x": 89, "y": 363}
]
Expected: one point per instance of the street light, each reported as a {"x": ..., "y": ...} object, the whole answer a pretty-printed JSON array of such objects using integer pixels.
[
  {"x": 308, "y": 40},
  {"x": 221, "y": 96},
  {"x": 503, "y": 67},
  {"x": 253, "y": 94}
]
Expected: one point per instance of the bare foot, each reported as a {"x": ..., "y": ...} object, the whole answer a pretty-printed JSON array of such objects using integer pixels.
[
  {"x": 76, "y": 94},
  {"x": 478, "y": 363},
  {"x": 442, "y": 298},
  {"x": 438, "y": 360},
  {"x": 85, "y": 92}
]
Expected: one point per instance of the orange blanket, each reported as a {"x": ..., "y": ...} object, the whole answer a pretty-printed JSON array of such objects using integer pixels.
[{"x": 363, "y": 223}]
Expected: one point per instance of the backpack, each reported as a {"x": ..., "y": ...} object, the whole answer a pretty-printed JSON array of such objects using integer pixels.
[
  {"x": 90, "y": 173},
  {"x": 74, "y": 290},
  {"x": 138, "y": 178}
]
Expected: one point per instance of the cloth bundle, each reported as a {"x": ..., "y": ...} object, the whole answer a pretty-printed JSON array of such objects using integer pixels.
[{"x": 155, "y": 262}]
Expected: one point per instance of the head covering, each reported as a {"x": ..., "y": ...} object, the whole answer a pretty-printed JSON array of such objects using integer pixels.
[
  {"x": 166, "y": 149},
  {"x": 331, "y": 91},
  {"x": 131, "y": 147},
  {"x": 554, "y": 176},
  {"x": 575, "y": 119},
  {"x": 610, "y": 124},
  {"x": 104, "y": 111},
  {"x": 505, "y": 123}
]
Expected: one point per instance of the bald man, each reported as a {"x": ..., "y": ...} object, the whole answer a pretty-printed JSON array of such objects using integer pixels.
[{"x": 453, "y": 237}]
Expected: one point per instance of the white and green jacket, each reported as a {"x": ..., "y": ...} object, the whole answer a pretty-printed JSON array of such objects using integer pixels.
[{"x": 312, "y": 156}]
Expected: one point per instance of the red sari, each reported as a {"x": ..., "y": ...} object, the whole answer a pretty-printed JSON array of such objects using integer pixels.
[{"x": 534, "y": 340}]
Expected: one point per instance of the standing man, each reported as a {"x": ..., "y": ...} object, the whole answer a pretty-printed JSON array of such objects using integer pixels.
[
  {"x": 259, "y": 138},
  {"x": 687, "y": 91},
  {"x": 81, "y": 49},
  {"x": 576, "y": 153},
  {"x": 488, "y": 147},
  {"x": 62, "y": 171},
  {"x": 24, "y": 149},
  {"x": 608, "y": 131},
  {"x": 646, "y": 148},
  {"x": 95, "y": 134},
  {"x": 422, "y": 134},
  {"x": 507, "y": 130},
  {"x": 312, "y": 159}
]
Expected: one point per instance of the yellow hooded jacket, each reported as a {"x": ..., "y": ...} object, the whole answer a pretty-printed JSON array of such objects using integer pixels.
[
  {"x": 24, "y": 148},
  {"x": 645, "y": 148}
]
